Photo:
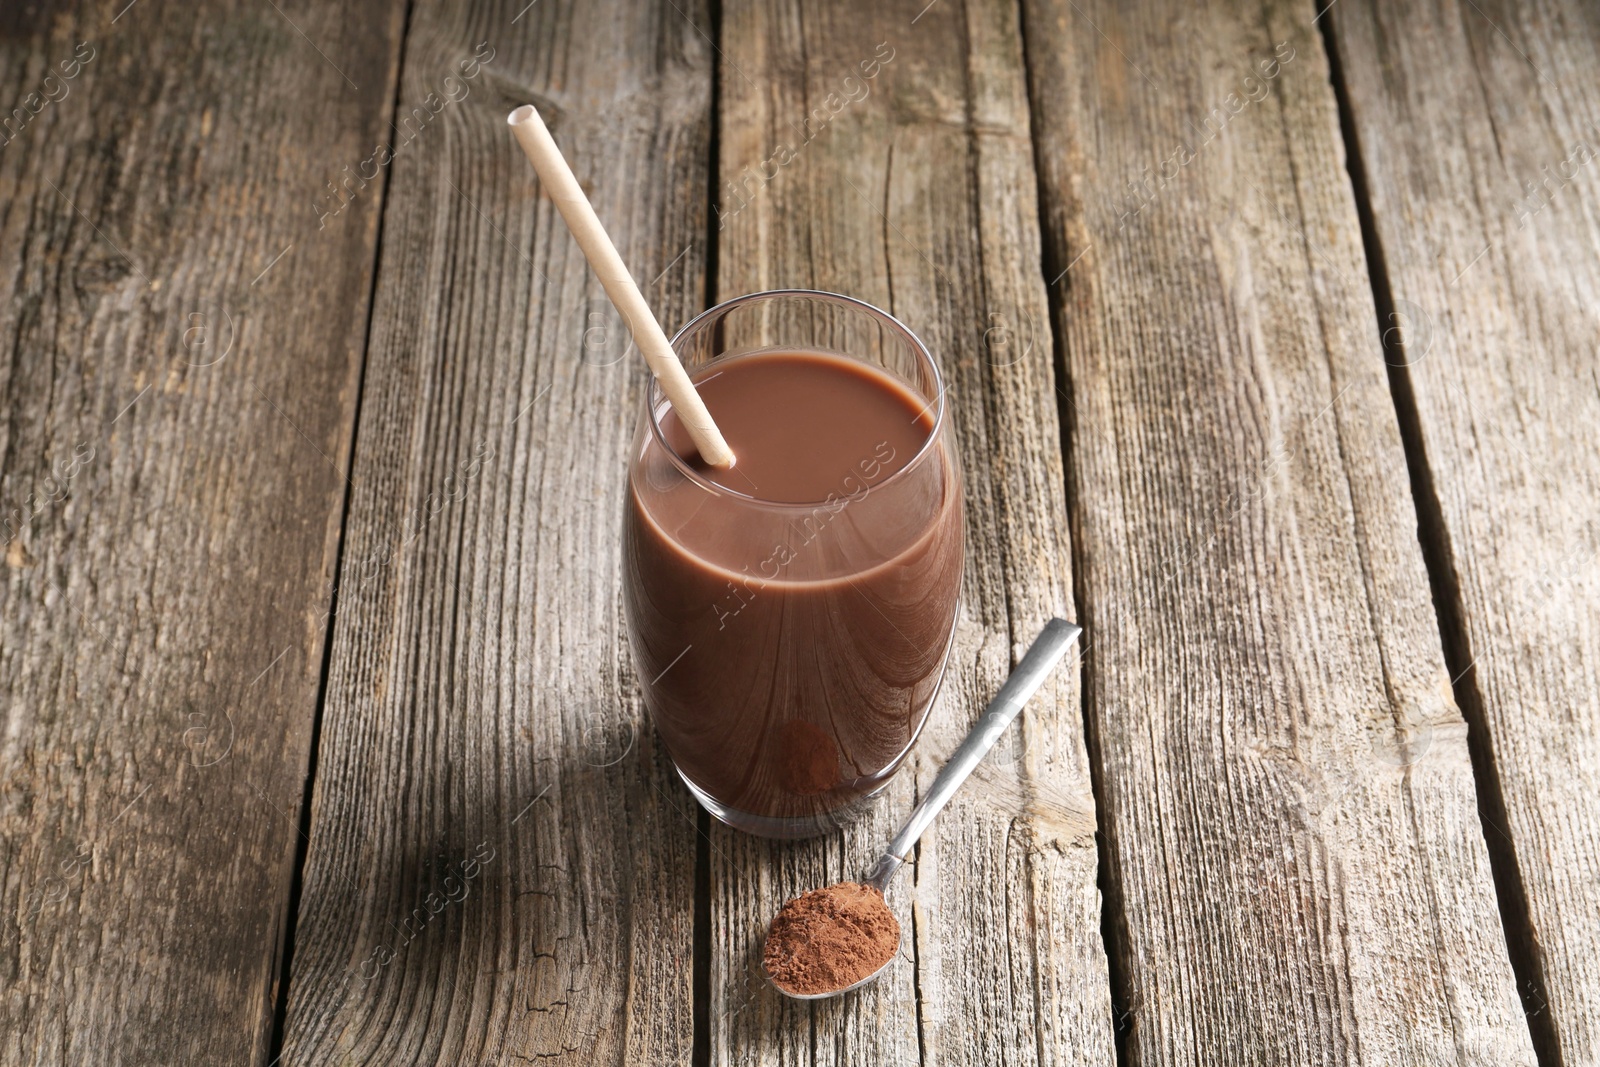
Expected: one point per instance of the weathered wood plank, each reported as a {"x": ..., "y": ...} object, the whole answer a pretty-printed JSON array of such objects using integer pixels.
[
  {"x": 180, "y": 343},
  {"x": 525, "y": 861},
  {"x": 1487, "y": 224},
  {"x": 909, "y": 182},
  {"x": 1288, "y": 799}
]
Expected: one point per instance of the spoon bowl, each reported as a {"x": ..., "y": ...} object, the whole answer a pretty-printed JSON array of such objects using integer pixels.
[{"x": 830, "y": 994}]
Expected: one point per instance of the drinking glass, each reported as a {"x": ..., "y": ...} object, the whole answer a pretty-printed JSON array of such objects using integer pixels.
[{"x": 789, "y": 653}]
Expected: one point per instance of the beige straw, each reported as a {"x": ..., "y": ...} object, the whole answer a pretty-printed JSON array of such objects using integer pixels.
[{"x": 575, "y": 208}]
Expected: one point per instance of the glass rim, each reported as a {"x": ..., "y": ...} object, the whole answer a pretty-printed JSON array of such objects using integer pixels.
[{"x": 654, "y": 394}]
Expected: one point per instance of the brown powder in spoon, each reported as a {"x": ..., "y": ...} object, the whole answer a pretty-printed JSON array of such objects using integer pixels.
[{"x": 830, "y": 938}]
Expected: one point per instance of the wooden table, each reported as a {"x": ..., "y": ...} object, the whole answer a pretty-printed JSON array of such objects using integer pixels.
[{"x": 1271, "y": 336}]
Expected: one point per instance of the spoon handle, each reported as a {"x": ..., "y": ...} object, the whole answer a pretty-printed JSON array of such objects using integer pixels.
[{"x": 1041, "y": 658}]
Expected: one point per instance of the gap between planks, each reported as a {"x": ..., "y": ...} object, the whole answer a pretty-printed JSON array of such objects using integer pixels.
[
  {"x": 280, "y": 991},
  {"x": 700, "y": 938},
  {"x": 1433, "y": 537},
  {"x": 1113, "y": 935}
]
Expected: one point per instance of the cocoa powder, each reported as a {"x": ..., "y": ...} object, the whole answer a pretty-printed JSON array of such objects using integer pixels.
[{"x": 830, "y": 938}]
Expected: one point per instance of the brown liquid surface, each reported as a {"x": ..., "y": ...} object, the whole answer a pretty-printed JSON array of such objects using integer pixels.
[
  {"x": 788, "y": 654},
  {"x": 802, "y": 422}
]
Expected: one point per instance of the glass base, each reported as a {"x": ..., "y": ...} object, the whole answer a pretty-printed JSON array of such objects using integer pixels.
[
  {"x": 785, "y": 829},
  {"x": 828, "y": 821}
]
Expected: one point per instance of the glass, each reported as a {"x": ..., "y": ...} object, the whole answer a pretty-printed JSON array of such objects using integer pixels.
[{"x": 789, "y": 653}]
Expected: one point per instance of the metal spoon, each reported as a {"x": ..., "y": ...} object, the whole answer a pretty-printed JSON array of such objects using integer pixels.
[{"x": 1042, "y": 656}]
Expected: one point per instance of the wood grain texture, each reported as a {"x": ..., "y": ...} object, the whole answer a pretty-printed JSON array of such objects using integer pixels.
[
  {"x": 502, "y": 867},
  {"x": 913, "y": 187},
  {"x": 1490, "y": 228},
  {"x": 1287, "y": 792},
  {"x": 179, "y": 350}
]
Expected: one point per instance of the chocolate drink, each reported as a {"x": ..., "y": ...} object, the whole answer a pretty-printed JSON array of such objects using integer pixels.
[{"x": 790, "y": 616}]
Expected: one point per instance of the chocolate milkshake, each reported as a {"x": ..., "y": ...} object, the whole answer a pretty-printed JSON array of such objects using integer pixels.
[{"x": 790, "y": 615}]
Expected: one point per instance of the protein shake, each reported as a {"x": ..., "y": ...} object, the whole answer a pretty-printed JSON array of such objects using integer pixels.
[{"x": 790, "y": 616}]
